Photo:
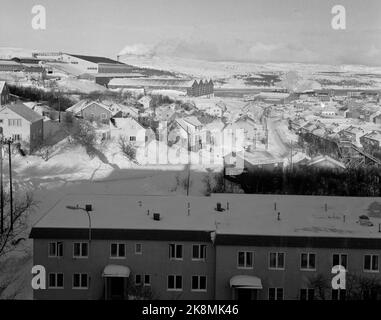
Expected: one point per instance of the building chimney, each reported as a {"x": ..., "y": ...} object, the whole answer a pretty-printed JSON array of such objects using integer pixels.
[
  {"x": 156, "y": 216},
  {"x": 148, "y": 212},
  {"x": 227, "y": 206},
  {"x": 117, "y": 57},
  {"x": 278, "y": 218},
  {"x": 188, "y": 208},
  {"x": 274, "y": 206},
  {"x": 325, "y": 207},
  {"x": 219, "y": 207},
  {"x": 89, "y": 207}
]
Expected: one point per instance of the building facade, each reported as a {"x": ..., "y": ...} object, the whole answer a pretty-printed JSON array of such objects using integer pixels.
[{"x": 225, "y": 246}]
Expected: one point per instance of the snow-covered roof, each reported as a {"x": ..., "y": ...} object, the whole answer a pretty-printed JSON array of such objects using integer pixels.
[
  {"x": 23, "y": 111},
  {"x": 319, "y": 159},
  {"x": 152, "y": 82},
  {"x": 83, "y": 104},
  {"x": 248, "y": 214},
  {"x": 374, "y": 135}
]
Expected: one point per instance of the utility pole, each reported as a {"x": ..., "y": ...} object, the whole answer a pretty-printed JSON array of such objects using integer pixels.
[
  {"x": 10, "y": 182},
  {"x": 189, "y": 162},
  {"x": 1, "y": 187}
]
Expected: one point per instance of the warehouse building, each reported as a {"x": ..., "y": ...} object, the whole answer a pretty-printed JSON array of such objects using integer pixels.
[
  {"x": 192, "y": 88},
  {"x": 226, "y": 246}
]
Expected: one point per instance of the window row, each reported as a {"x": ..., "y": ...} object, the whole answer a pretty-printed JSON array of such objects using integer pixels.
[
  {"x": 79, "y": 281},
  {"x": 81, "y": 249},
  {"x": 175, "y": 283},
  {"x": 308, "y": 261},
  {"x": 118, "y": 250},
  {"x": 305, "y": 294}
]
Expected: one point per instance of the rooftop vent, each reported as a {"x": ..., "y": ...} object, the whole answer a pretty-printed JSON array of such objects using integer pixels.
[{"x": 156, "y": 216}]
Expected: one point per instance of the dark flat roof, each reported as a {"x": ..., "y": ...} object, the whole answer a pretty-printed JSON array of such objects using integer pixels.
[{"x": 95, "y": 59}]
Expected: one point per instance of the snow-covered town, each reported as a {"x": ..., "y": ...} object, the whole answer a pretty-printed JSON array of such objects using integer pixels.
[{"x": 242, "y": 169}]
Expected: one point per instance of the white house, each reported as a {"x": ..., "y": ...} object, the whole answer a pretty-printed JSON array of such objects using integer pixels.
[
  {"x": 132, "y": 130},
  {"x": 22, "y": 124},
  {"x": 146, "y": 102},
  {"x": 187, "y": 130}
]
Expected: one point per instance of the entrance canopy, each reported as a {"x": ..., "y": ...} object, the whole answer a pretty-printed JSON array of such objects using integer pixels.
[
  {"x": 245, "y": 282},
  {"x": 113, "y": 270}
]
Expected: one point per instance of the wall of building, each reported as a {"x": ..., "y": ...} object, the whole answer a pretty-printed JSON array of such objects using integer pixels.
[
  {"x": 8, "y": 131},
  {"x": 83, "y": 65},
  {"x": 292, "y": 278},
  {"x": 95, "y": 112},
  {"x": 36, "y": 134},
  {"x": 154, "y": 261}
]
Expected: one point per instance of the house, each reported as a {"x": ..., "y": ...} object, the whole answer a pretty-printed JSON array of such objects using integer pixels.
[
  {"x": 371, "y": 142},
  {"x": 352, "y": 134},
  {"x": 122, "y": 110},
  {"x": 131, "y": 129},
  {"x": 252, "y": 132},
  {"x": 145, "y": 102},
  {"x": 22, "y": 124},
  {"x": 41, "y": 108},
  {"x": 236, "y": 163},
  {"x": 165, "y": 112},
  {"x": 328, "y": 111},
  {"x": 224, "y": 247},
  {"x": 273, "y": 97},
  {"x": 375, "y": 117},
  {"x": 325, "y": 162},
  {"x": 4, "y": 93},
  {"x": 186, "y": 131},
  {"x": 93, "y": 111}
]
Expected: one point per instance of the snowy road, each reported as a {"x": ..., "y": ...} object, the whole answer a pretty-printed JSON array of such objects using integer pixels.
[{"x": 276, "y": 139}]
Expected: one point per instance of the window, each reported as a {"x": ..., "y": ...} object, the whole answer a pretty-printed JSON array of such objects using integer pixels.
[
  {"x": 55, "y": 249},
  {"x": 14, "y": 122},
  {"x": 175, "y": 251},
  {"x": 371, "y": 263},
  {"x": 339, "y": 294},
  {"x": 340, "y": 260},
  {"x": 175, "y": 283},
  {"x": 147, "y": 280},
  {"x": 138, "y": 248},
  {"x": 138, "y": 279},
  {"x": 198, "y": 283},
  {"x": 80, "y": 250},
  {"x": 245, "y": 259},
  {"x": 199, "y": 252},
  {"x": 16, "y": 137},
  {"x": 307, "y": 294},
  {"x": 308, "y": 261},
  {"x": 276, "y": 260},
  {"x": 275, "y": 293},
  {"x": 80, "y": 281},
  {"x": 118, "y": 250},
  {"x": 56, "y": 280},
  {"x": 132, "y": 138}
]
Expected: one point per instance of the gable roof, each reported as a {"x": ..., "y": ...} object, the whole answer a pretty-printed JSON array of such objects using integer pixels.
[
  {"x": 83, "y": 104},
  {"x": 2, "y": 85},
  {"x": 320, "y": 159},
  {"x": 24, "y": 112},
  {"x": 95, "y": 59}
]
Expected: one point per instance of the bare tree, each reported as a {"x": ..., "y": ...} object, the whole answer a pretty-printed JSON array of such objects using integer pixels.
[
  {"x": 13, "y": 234},
  {"x": 139, "y": 292},
  {"x": 360, "y": 287},
  {"x": 83, "y": 133},
  {"x": 320, "y": 283},
  {"x": 127, "y": 148}
]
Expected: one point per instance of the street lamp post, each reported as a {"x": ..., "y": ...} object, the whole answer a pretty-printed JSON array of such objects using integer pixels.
[{"x": 87, "y": 209}]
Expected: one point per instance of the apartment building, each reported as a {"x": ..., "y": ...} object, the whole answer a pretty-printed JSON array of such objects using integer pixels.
[{"x": 226, "y": 246}]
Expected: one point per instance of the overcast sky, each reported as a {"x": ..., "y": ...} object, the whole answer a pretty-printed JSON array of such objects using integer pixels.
[{"x": 242, "y": 30}]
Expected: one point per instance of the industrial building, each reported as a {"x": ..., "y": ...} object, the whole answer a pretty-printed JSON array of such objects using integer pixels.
[
  {"x": 192, "y": 88},
  {"x": 226, "y": 246}
]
